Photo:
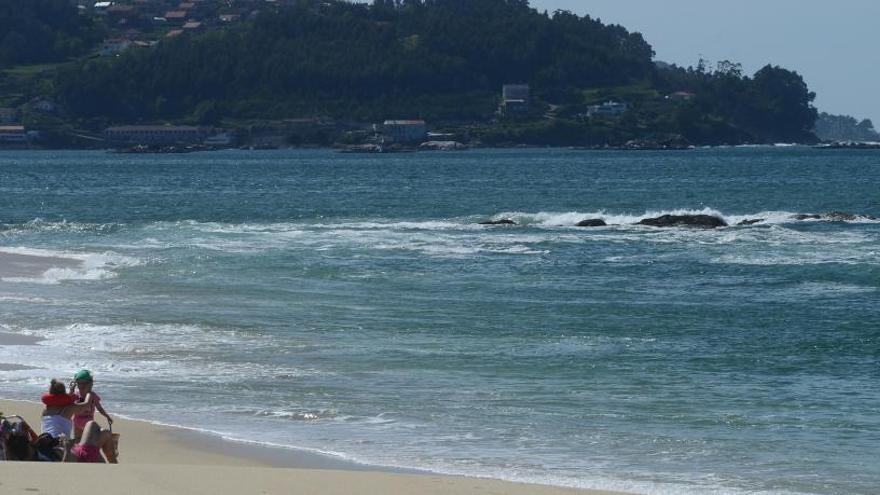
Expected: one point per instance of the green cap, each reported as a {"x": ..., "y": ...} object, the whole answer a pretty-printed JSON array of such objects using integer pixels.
[{"x": 83, "y": 376}]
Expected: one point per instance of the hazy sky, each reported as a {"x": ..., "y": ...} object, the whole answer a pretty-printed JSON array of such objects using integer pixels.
[{"x": 835, "y": 45}]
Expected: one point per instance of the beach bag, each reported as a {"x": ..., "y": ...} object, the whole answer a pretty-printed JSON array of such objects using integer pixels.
[{"x": 48, "y": 448}]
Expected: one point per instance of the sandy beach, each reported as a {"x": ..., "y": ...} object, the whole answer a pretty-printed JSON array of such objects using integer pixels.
[
  {"x": 165, "y": 460},
  {"x": 158, "y": 459}
]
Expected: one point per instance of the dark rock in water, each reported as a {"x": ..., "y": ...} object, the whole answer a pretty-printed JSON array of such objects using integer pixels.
[
  {"x": 839, "y": 216},
  {"x": 592, "y": 222},
  {"x": 848, "y": 145},
  {"x": 697, "y": 221},
  {"x": 671, "y": 142},
  {"x": 751, "y": 221},
  {"x": 834, "y": 216},
  {"x": 505, "y": 221},
  {"x": 442, "y": 146}
]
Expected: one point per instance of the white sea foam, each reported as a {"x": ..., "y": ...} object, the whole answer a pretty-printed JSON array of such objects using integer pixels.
[
  {"x": 535, "y": 234},
  {"x": 85, "y": 266},
  {"x": 612, "y": 218},
  {"x": 701, "y": 484},
  {"x": 127, "y": 351},
  {"x": 40, "y": 225},
  {"x": 464, "y": 236},
  {"x": 25, "y": 299}
]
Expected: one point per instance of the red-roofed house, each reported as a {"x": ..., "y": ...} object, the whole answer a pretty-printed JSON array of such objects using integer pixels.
[
  {"x": 176, "y": 16},
  {"x": 681, "y": 96}
]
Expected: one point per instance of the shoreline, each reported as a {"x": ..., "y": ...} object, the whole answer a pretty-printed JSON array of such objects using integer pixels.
[
  {"x": 32, "y": 266},
  {"x": 470, "y": 147},
  {"x": 159, "y": 459}
]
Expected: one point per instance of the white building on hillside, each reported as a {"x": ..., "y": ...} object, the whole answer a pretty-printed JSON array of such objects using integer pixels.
[
  {"x": 114, "y": 46},
  {"x": 515, "y": 98},
  {"x": 607, "y": 109},
  {"x": 155, "y": 134}
]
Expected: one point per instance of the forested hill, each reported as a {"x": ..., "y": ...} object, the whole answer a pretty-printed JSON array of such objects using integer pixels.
[
  {"x": 442, "y": 60},
  {"x": 40, "y": 31}
]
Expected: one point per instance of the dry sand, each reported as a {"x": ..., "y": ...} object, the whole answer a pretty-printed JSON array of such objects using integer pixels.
[{"x": 157, "y": 460}]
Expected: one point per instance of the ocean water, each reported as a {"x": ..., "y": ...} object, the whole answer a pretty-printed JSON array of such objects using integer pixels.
[{"x": 350, "y": 304}]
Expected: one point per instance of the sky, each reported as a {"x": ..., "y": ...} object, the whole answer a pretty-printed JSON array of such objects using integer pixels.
[{"x": 835, "y": 45}]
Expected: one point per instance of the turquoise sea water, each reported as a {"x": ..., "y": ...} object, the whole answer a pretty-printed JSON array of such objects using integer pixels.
[{"x": 350, "y": 304}]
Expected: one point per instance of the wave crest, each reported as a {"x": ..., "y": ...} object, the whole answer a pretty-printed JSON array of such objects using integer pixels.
[
  {"x": 38, "y": 225},
  {"x": 80, "y": 266}
]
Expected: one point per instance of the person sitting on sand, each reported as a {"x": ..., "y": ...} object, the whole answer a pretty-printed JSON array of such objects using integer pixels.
[
  {"x": 94, "y": 440},
  {"x": 80, "y": 388},
  {"x": 55, "y": 419},
  {"x": 18, "y": 440}
]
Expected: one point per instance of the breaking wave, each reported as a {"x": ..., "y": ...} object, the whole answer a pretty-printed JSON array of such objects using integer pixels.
[
  {"x": 74, "y": 265},
  {"x": 571, "y": 218},
  {"x": 38, "y": 225},
  {"x": 541, "y": 219}
]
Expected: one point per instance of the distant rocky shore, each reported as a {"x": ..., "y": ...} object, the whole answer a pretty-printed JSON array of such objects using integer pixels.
[{"x": 703, "y": 221}]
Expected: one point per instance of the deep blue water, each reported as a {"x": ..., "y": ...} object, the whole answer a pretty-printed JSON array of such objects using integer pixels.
[{"x": 351, "y": 304}]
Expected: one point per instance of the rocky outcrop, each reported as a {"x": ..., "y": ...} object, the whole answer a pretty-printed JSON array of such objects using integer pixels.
[
  {"x": 503, "y": 221},
  {"x": 671, "y": 142},
  {"x": 840, "y": 216},
  {"x": 442, "y": 146},
  {"x": 592, "y": 222},
  {"x": 834, "y": 216},
  {"x": 751, "y": 221},
  {"x": 694, "y": 221}
]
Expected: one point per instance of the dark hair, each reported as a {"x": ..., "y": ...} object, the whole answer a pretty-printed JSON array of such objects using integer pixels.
[{"x": 57, "y": 388}]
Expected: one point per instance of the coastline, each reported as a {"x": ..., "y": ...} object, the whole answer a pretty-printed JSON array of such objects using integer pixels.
[
  {"x": 468, "y": 147},
  {"x": 157, "y": 459}
]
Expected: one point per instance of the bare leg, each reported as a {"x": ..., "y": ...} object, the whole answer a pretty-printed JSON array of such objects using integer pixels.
[
  {"x": 94, "y": 435},
  {"x": 107, "y": 447}
]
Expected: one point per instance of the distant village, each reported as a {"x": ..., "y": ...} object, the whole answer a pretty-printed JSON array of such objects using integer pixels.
[
  {"x": 142, "y": 24},
  {"x": 389, "y": 135},
  {"x": 111, "y": 82}
]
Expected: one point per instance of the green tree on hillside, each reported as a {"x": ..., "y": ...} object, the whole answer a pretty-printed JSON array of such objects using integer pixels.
[
  {"x": 42, "y": 31},
  {"x": 442, "y": 60}
]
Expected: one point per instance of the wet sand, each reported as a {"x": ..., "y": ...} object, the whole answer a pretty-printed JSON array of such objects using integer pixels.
[
  {"x": 10, "y": 339},
  {"x": 18, "y": 339},
  {"x": 13, "y": 265},
  {"x": 165, "y": 460}
]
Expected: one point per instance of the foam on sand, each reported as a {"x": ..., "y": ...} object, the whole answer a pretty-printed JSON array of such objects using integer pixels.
[{"x": 43, "y": 266}]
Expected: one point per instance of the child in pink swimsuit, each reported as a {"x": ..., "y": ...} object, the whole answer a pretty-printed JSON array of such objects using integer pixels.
[
  {"x": 83, "y": 382},
  {"x": 87, "y": 453}
]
